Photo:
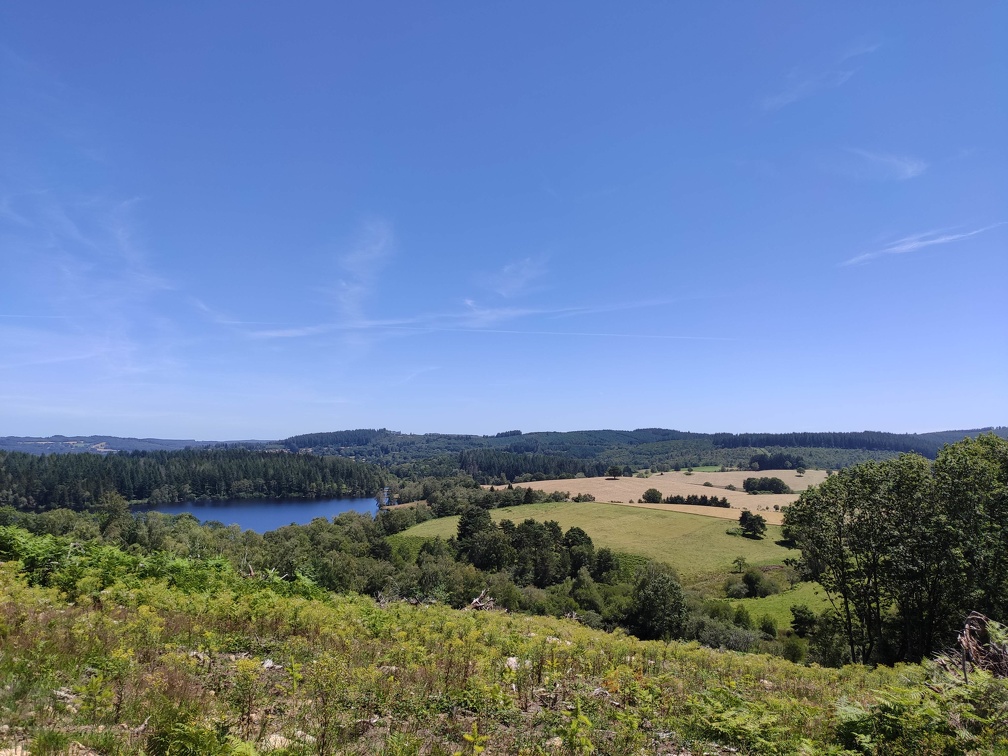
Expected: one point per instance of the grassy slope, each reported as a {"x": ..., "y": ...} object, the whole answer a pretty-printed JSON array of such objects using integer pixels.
[
  {"x": 695, "y": 545},
  {"x": 779, "y": 605},
  {"x": 357, "y": 678}
]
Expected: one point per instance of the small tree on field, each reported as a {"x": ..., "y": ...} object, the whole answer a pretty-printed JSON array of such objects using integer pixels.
[
  {"x": 613, "y": 471},
  {"x": 652, "y": 496},
  {"x": 753, "y": 525}
]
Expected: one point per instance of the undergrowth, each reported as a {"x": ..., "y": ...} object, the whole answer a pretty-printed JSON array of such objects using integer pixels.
[{"x": 128, "y": 655}]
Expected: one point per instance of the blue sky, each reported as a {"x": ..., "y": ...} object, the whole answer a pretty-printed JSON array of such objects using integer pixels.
[{"x": 250, "y": 220}]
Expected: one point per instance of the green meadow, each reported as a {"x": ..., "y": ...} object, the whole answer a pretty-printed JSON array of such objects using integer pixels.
[{"x": 693, "y": 544}]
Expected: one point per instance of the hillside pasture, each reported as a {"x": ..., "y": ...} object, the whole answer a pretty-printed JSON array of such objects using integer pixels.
[
  {"x": 629, "y": 490},
  {"x": 694, "y": 545},
  {"x": 778, "y": 605}
]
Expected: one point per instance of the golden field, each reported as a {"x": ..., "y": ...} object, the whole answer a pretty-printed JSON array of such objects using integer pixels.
[{"x": 629, "y": 490}]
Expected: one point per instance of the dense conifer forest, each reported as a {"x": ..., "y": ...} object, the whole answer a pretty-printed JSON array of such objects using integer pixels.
[{"x": 79, "y": 481}]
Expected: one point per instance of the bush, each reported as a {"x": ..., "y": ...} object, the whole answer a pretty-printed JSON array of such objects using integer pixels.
[
  {"x": 795, "y": 649},
  {"x": 718, "y": 634},
  {"x": 758, "y": 584},
  {"x": 803, "y": 621},
  {"x": 768, "y": 626},
  {"x": 652, "y": 496},
  {"x": 735, "y": 588}
]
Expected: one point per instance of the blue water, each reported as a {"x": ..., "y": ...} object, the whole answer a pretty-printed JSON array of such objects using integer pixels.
[{"x": 261, "y": 515}]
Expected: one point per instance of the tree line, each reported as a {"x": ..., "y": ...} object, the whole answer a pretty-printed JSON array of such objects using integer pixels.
[
  {"x": 926, "y": 444},
  {"x": 78, "y": 481},
  {"x": 776, "y": 461},
  {"x": 490, "y": 465}
]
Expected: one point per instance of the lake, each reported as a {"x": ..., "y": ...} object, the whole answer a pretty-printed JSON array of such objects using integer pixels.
[{"x": 261, "y": 515}]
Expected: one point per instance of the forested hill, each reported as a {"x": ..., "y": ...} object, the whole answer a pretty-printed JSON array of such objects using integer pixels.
[
  {"x": 513, "y": 454},
  {"x": 925, "y": 444},
  {"x": 80, "y": 481},
  {"x": 94, "y": 444},
  {"x": 637, "y": 448}
]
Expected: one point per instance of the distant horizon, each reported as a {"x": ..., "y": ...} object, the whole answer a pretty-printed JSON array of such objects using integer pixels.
[{"x": 267, "y": 439}]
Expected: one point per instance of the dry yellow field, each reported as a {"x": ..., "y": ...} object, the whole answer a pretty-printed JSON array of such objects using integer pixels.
[{"x": 629, "y": 490}]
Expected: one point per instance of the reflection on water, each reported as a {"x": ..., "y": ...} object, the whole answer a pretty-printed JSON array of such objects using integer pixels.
[{"x": 262, "y": 515}]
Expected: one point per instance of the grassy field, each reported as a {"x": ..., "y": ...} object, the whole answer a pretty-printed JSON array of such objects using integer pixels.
[
  {"x": 683, "y": 484},
  {"x": 693, "y": 544},
  {"x": 779, "y": 605}
]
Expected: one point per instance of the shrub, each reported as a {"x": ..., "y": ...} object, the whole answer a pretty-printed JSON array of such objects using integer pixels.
[
  {"x": 718, "y": 634},
  {"x": 742, "y": 618},
  {"x": 758, "y": 584},
  {"x": 652, "y": 496},
  {"x": 768, "y": 626},
  {"x": 795, "y": 649},
  {"x": 803, "y": 620}
]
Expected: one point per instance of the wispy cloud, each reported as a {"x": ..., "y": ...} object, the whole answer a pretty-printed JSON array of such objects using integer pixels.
[
  {"x": 361, "y": 265},
  {"x": 918, "y": 241},
  {"x": 859, "y": 48},
  {"x": 471, "y": 318},
  {"x": 802, "y": 83},
  {"x": 78, "y": 261},
  {"x": 517, "y": 277},
  {"x": 882, "y": 166}
]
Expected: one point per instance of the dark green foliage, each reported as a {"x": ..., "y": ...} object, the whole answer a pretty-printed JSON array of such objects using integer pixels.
[
  {"x": 778, "y": 461},
  {"x": 906, "y": 548},
  {"x": 795, "y": 649},
  {"x": 803, "y": 620},
  {"x": 758, "y": 584},
  {"x": 473, "y": 521},
  {"x": 79, "y": 481},
  {"x": 489, "y": 464},
  {"x": 658, "y": 608},
  {"x": 607, "y": 565},
  {"x": 742, "y": 617},
  {"x": 694, "y": 500},
  {"x": 768, "y": 626},
  {"x": 753, "y": 525},
  {"x": 652, "y": 496},
  {"x": 927, "y": 444},
  {"x": 766, "y": 485}
]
